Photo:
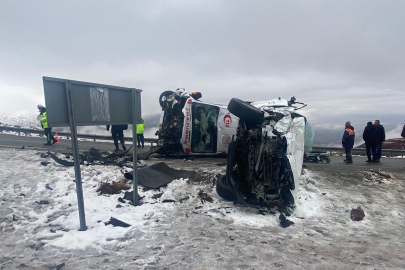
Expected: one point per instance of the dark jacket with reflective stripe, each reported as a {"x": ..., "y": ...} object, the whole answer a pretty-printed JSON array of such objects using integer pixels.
[{"x": 348, "y": 138}]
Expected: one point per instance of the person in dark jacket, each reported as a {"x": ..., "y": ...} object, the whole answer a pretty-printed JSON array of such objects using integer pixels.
[
  {"x": 117, "y": 132},
  {"x": 42, "y": 118},
  {"x": 403, "y": 132},
  {"x": 380, "y": 139},
  {"x": 348, "y": 141},
  {"x": 370, "y": 138}
]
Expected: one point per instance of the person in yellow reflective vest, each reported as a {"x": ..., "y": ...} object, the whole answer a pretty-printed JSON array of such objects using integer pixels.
[
  {"x": 139, "y": 134},
  {"x": 44, "y": 123}
]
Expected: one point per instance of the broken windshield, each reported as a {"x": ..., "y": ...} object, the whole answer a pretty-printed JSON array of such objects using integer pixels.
[{"x": 204, "y": 123}]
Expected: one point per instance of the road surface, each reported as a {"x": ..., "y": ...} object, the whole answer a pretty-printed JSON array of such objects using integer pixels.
[{"x": 65, "y": 146}]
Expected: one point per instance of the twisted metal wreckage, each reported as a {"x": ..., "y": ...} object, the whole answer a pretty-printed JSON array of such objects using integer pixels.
[{"x": 264, "y": 142}]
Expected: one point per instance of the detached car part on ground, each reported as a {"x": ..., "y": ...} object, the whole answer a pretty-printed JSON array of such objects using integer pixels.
[{"x": 265, "y": 156}]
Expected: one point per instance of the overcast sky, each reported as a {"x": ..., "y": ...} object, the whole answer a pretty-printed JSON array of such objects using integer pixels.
[{"x": 340, "y": 57}]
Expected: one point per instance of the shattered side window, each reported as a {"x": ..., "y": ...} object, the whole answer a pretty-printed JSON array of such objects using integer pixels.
[{"x": 205, "y": 131}]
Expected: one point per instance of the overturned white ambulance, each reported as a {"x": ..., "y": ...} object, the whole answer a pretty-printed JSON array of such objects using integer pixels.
[{"x": 264, "y": 142}]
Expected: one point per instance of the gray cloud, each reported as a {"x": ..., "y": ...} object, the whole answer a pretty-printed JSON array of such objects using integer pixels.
[{"x": 338, "y": 56}]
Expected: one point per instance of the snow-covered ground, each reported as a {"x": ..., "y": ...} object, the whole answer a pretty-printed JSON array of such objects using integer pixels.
[{"x": 39, "y": 222}]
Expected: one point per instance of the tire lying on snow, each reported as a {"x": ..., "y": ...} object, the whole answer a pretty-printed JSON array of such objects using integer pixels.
[
  {"x": 224, "y": 190},
  {"x": 245, "y": 111}
]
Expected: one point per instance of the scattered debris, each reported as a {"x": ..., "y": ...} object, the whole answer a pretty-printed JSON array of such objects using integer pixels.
[
  {"x": 158, "y": 175},
  {"x": 168, "y": 200},
  {"x": 205, "y": 197},
  {"x": 42, "y": 202},
  {"x": 94, "y": 156},
  {"x": 221, "y": 163},
  {"x": 157, "y": 196},
  {"x": 48, "y": 187},
  {"x": 45, "y": 163},
  {"x": 129, "y": 195},
  {"x": 23, "y": 147},
  {"x": 113, "y": 188},
  {"x": 44, "y": 155},
  {"x": 357, "y": 214},
  {"x": 284, "y": 222},
  {"x": 184, "y": 199},
  {"x": 117, "y": 223},
  {"x": 59, "y": 266},
  {"x": 61, "y": 161},
  {"x": 15, "y": 218},
  {"x": 379, "y": 177}
]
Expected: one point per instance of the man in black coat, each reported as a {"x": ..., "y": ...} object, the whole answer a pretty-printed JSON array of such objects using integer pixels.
[
  {"x": 380, "y": 139},
  {"x": 117, "y": 132},
  {"x": 370, "y": 135},
  {"x": 348, "y": 141}
]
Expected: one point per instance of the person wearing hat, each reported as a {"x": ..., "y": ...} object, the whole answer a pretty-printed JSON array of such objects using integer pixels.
[
  {"x": 44, "y": 123},
  {"x": 348, "y": 141}
]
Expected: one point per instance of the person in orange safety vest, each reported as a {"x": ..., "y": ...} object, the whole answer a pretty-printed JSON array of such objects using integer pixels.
[{"x": 348, "y": 141}]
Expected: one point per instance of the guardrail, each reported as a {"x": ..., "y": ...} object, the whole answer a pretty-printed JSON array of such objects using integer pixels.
[
  {"x": 359, "y": 151},
  {"x": 67, "y": 134},
  {"x": 356, "y": 151}
]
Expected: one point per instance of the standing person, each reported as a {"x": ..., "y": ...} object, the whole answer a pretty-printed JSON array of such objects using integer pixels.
[
  {"x": 348, "y": 141},
  {"x": 403, "y": 132},
  {"x": 403, "y": 136},
  {"x": 380, "y": 139},
  {"x": 139, "y": 134},
  {"x": 44, "y": 123},
  {"x": 370, "y": 138},
  {"x": 117, "y": 132}
]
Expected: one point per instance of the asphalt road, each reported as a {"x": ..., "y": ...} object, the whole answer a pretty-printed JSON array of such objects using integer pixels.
[
  {"x": 335, "y": 166},
  {"x": 65, "y": 146}
]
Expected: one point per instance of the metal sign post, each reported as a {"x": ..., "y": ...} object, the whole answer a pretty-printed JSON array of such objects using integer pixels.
[
  {"x": 74, "y": 103},
  {"x": 134, "y": 149},
  {"x": 78, "y": 174}
]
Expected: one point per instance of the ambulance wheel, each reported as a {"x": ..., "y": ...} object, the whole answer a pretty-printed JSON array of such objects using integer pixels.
[{"x": 163, "y": 97}]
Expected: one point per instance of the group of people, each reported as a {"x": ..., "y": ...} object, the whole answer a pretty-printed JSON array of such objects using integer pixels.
[
  {"x": 117, "y": 131},
  {"x": 373, "y": 136}
]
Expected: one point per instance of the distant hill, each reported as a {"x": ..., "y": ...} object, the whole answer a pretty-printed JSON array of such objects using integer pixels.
[{"x": 397, "y": 143}]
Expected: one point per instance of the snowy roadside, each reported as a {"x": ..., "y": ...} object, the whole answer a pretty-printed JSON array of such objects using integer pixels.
[{"x": 39, "y": 222}]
